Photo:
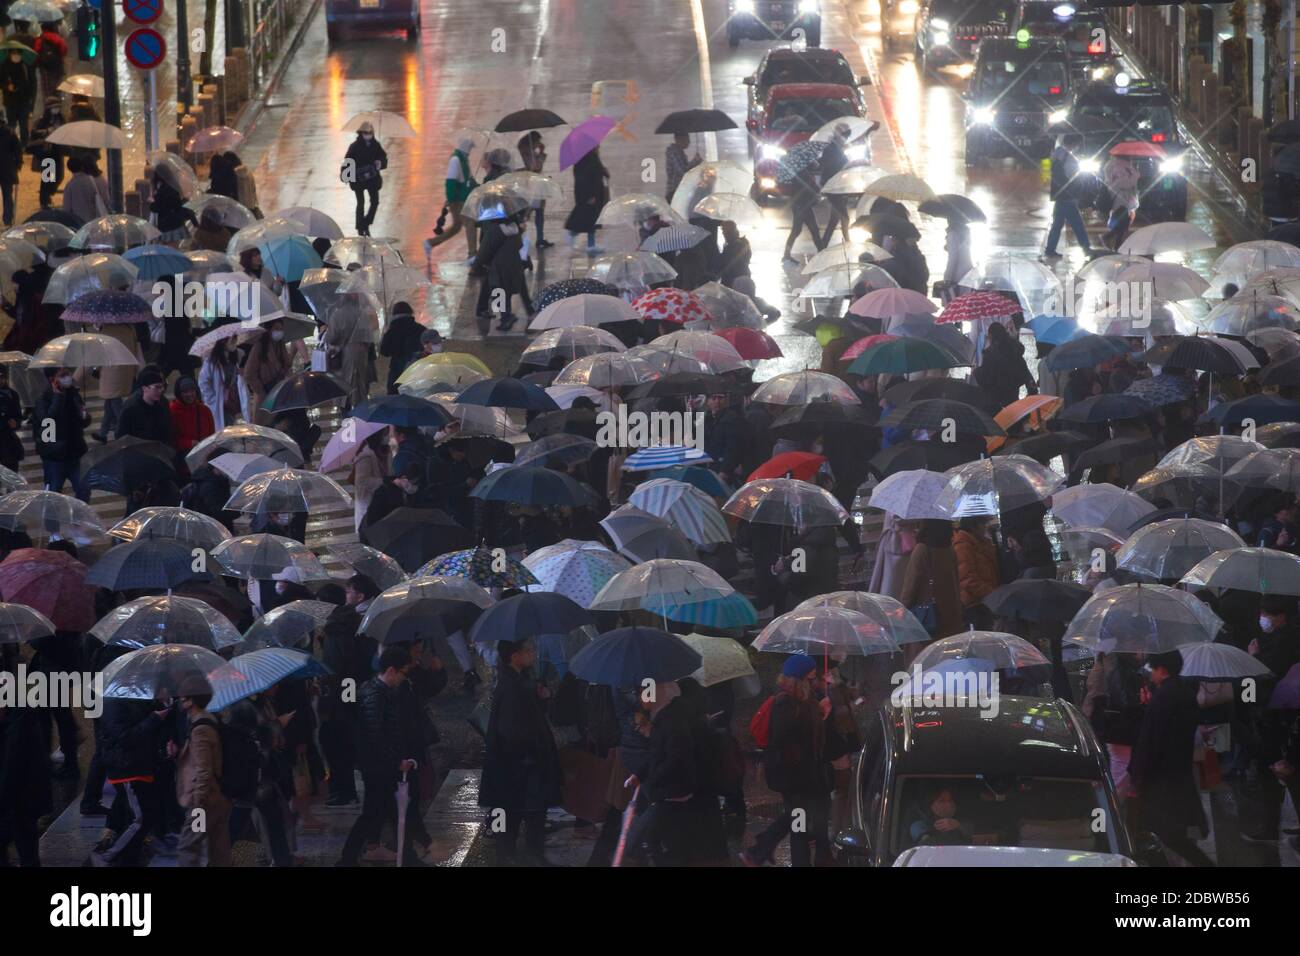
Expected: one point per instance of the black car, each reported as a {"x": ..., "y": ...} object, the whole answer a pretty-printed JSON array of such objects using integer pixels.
[
  {"x": 1084, "y": 30},
  {"x": 1020, "y": 89},
  {"x": 1032, "y": 775},
  {"x": 781, "y": 65},
  {"x": 1106, "y": 114},
  {"x": 947, "y": 31},
  {"x": 774, "y": 19}
]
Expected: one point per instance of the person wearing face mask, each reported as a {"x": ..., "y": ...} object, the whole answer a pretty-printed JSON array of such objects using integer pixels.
[
  {"x": 18, "y": 87},
  {"x": 268, "y": 363},
  {"x": 365, "y": 159},
  {"x": 287, "y": 524},
  {"x": 49, "y": 121},
  {"x": 1278, "y": 644},
  {"x": 58, "y": 431},
  {"x": 145, "y": 415}
]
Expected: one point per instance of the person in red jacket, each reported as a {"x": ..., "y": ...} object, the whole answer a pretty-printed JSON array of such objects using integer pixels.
[{"x": 191, "y": 419}]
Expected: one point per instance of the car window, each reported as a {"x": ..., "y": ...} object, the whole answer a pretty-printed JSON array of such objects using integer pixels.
[
  {"x": 1154, "y": 123},
  {"x": 1040, "y": 77},
  {"x": 1077, "y": 31},
  {"x": 1045, "y": 812},
  {"x": 807, "y": 115},
  {"x": 791, "y": 70},
  {"x": 964, "y": 11}
]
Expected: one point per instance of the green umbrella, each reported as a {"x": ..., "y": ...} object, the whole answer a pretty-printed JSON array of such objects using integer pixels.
[
  {"x": 11, "y": 46},
  {"x": 901, "y": 356}
]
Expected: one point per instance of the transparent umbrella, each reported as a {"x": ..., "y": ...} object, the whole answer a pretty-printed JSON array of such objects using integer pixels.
[
  {"x": 153, "y": 673},
  {"x": 993, "y": 486},
  {"x": 635, "y": 208},
  {"x": 532, "y": 186},
  {"x": 1276, "y": 468},
  {"x": 788, "y": 502},
  {"x": 571, "y": 344},
  {"x": 735, "y": 207},
  {"x": 1100, "y": 506},
  {"x": 495, "y": 200},
  {"x": 852, "y": 181},
  {"x": 288, "y": 490},
  {"x": 831, "y": 631},
  {"x": 311, "y": 221},
  {"x": 289, "y": 625},
  {"x": 253, "y": 235},
  {"x": 89, "y": 273},
  {"x": 45, "y": 513},
  {"x": 890, "y": 616},
  {"x": 1037, "y": 287},
  {"x": 715, "y": 352},
  {"x": 1188, "y": 486},
  {"x": 1248, "y": 312},
  {"x": 349, "y": 321},
  {"x": 19, "y": 623},
  {"x": 229, "y": 212},
  {"x": 167, "y": 619},
  {"x": 667, "y": 361},
  {"x": 178, "y": 524},
  {"x": 47, "y": 236},
  {"x": 1259, "y": 570},
  {"x": 362, "y": 250},
  {"x": 1142, "y": 619},
  {"x": 115, "y": 233},
  {"x": 373, "y": 563},
  {"x": 800, "y": 388},
  {"x": 206, "y": 262},
  {"x": 268, "y": 557},
  {"x": 423, "y": 607},
  {"x": 659, "y": 585},
  {"x": 1004, "y": 650},
  {"x": 1166, "y": 550},
  {"x": 724, "y": 659},
  {"x": 10, "y": 480},
  {"x": 845, "y": 254},
  {"x": 608, "y": 370},
  {"x": 632, "y": 270},
  {"x": 584, "y": 309},
  {"x": 911, "y": 495},
  {"x": 721, "y": 176},
  {"x": 176, "y": 173},
  {"x": 1220, "y": 452},
  {"x": 244, "y": 437},
  {"x": 83, "y": 350},
  {"x": 727, "y": 308}
]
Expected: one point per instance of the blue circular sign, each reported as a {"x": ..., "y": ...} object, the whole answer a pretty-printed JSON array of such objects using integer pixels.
[
  {"x": 145, "y": 48},
  {"x": 142, "y": 11}
]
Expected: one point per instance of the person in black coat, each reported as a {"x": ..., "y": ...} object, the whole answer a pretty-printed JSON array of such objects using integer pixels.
[
  {"x": 11, "y": 416},
  {"x": 25, "y": 793},
  {"x": 221, "y": 170},
  {"x": 1161, "y": 767},
  {"x": 663, "y": 823},
  {"x": 590, "y": 193},
  {"x": 11, "y": 161},
  {"x": 348, "y": 655},
  {"x": 521, "y": 767},
  {"x": 1003, "y": 369},
  {"x": 131, "y": 735},
  {"x": 401, "y": 343},
  {"x": 145, "y": 414},
  {"x": 499, "y": 261},
  {"x": 169, "y": 206},
  {"x": 59, "y": 432},
  {"x": 18, "y": 85},
  {"x": 364, "y": 161}
]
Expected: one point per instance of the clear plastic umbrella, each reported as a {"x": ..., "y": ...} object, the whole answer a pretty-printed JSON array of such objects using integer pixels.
[
  {"x": 1220, "y": 662},
  {"x": 1037, "y": 287},
  {"x": 1165, "y": 280},
  {"x": 1142, "y": 619},
  {"x": 1258, "y": 255},
  {"x": 993, "y": 486},
  {"x": 177, "y": 524},
  {"x": 288, "y": 490},
  {"x": 631, "y": 270},
  {"x": 721, "y": 176},
  {"x": 495, "y": 200},
  {"x": 83, "y": 350},
  {"x": 900, "y": 187},
  {"x": 1166, "y": 237},
  {"x": 89, "y": 273},
  {"x": 852, "y": 181},
  {"x": 153, "y": 673},
  {"x": 800, "y": 388},
  {"x": 1006, "y": 651},
  {"x": 19, "y": 623},
  {"x": 253, "y": 235},
  {"x": 608, "y": 370},
  {"x": 571, "y": 343},
  {"x": 386, "y": 124},
  {"x": 476, "y": 419},
  {"x": 667, "y": 361},
  {"x": 350, "y": 321},
  {"x": 532, "y": 186},
  {"x": 47, "y": 236},
  {"x": 1248, "y": 312},
  {"x": 311, "y": 221},
  {"x": 788, "y": 502},
  {"x": 845, "y": 255},
  {"x": 207, "y": 262},
  {"x": 450, "y": 367},
  {"x": 176, "y": 173},
  {"x": 715, "y": 352},
  {"x": 390, "y": 282},
  {"x": 10, "y": 480},
  {"x": 888, "y": 614},
  {"x": 251, "y": 439},
  {"x": 229, "y": 212},
  {"x": 289, "y": 625},
  {"x": 831, "y": 631},
  {"x": 169, "y": 619},
  {"x": 727, "y": 308},
  {"x": 1100, "y": 506},
  {"x": 268, "y": 557},
  {"x": 115, "y": 233},
  {"x": 834, "y": 281},
  {"x": 1167, "y": 550},
  {"x": 1218, "y": 451},
  {"x": 373, "y": 563},
  {"x": 362, "y": 250},
  {"x": 45, "y": 513},
  {"x": 1259, "y": 570},
  {"x": 911, "y": 495},
  {"x": 735, "y": 207},
  {"x": 635, "y": 208},
  {"x": 1188, "y": 486},
  {"x": 1276, "y": 468},
  {"x": 422, "y": 607},
  {"x": 659, "y": 585}
]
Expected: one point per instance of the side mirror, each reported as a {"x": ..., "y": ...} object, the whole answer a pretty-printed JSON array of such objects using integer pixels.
[
  {"x": 852, "y": 843},
  {"x": 748, "y": 81},
  {"x": 864, "y": 80},
  {"x": 965, "y": 95},
  {"x": 1149, "y": 851}
]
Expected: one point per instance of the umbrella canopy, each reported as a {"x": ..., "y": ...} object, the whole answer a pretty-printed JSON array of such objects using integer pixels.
[
  {"x": 911, "y": 494},
  {"x": 751, "y": 344},
  {"x": 1043, "y": 599},
  {"x": 155, "y": 673},
  {"x": 974, "y": 306},
  {"x": 258, "y": 670},
  {"x": 305, "y": 389},
  {"x": 632, "y": 270},
  {"x": 1035, "y": 285},
  {"x": 1252, "y": 311},
  {"x": 631, "y": 655},
  {"x": 791, "y": 464},
  {"x": 888, "y": 617},
  {"x": 46, "y": 513},
  {"x": 533, "y": 486},
  {"x": 214, "y": 139},
  {"x": 654, "y": 457},
  {"x": 1220, "y": 662},
  {"x": 801, "y": 388},
  {"x": 659, "y": 584},
  {"x": 799, "y": 161},
  {"x": 646, "y": 537},
  {"x": 633, "y": 209},
  {"x": 1259, "y": 570},
  {"x": 1166, "y": 237},
  {"x": 115, "y": 233},
  {"x": 952, "y": 207},
  {"x": 386, "y": 124},
  {"x": 240, "y": 467},
  {"x": 1105, "y": 408},
  {"x": 683, "y": 506},
  {"x": 507, "y": 393},
  {"x": 940, "y": 414},
  {"x": 106, "y": 307},
  {"x": 724, "y": 659},
  {"x": 846, "y": 255},
  {"x": 584, "y": 138},
  {"x": 885, "y": 303},
  {"x": 288, "y": 491},
  {"x": 127, "y": 464},
  {"x": 1142, "y": 619},
  {"x": 88, "y": 134},
  {"x": 168, "y": 619},
  {"x": 373, "y": 563},
  {"x": 900, "y": 187},
  {"x": 1163, "y": 389},
  {"x": 901, "y": 356},
  {"x": 19, "y": 623},
  {"x": 148, "y": 564},
  {"x": 1166, "y": 280},
  {"x": 851, "y": 181},
  {"x": 947, "y": 388},
  {"x": 787, "y": 502},
  {"x": 575, "y": 569},
  {"x": 1005, "y": 651},
  {"x": 52, "y": 583},
  {"x": 1167, "y": 550},
  {"x": 405, "y": 411},
  {"x": 413, "y": 536},
  {"x": 1262, "y": 409},
  {"x": 486, "y": 567},
  {"x": 723, "y": 176},
  {"x": 246, "y": 439},
  {"x": 996, "y": 485},
  {"x": 289, "y": 625},
  {"x": 98, "y": 270},
  {"x": 670, "y": 305},
  {"x": 826, "y": 630},
  {"x": 155, "y": 262},
  {"x": 1086, "y": 351},
  {"x": 1219, "y": 451},
  {"x": 521, "y": 121},
  {"x": 177, "y": 524},
  {"x": 422, "y": 608},
  {"x": 83, "y": 350},
  {"x": 526, "y": 616},
  {"x": 268, "y": 557},
  {"x": 583, "y": 308},
  {"x": 695, "y": 121},
  {"x": 1277, "y": 468}
]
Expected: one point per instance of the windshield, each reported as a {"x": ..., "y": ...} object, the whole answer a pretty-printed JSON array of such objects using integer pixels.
[
  {"x": 807, "y": 116},
  {"x": 1045, "y": 812},
  {"x": 787, "y": 70},
  {"x": 1078, "y": 31},
  {"x": 964, "y": 11},
  {"x": 1039, "y": 77},
  {"x": 1152, "y": 123}
]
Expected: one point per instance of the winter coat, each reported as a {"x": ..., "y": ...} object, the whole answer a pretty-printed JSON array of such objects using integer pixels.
[
  {"x": 224, "y": 182},
  {"x": 380, "y": 746},
  {"x": 190, "y": 424},
  {"x": 11, "y": 156},
  {"x": 198, "y": 765},
  {"x": 18, "y": 85},
  {"x": 265, "y": 368},
  {"x": 673, "y": 770},
  {"x": 119, "y": 381},
  {"x": 366, "y": 156},
  {"x": 892, "y": 554},
  {"x": 214, "y": 377},
  {"x": 132, "y": 736},
  {"x": 1003, "y": 370},
  {"x": 347, "y": 654},
  {"x": 794, "y": 761},
  {"x": 169, "y": 207},
  {"x": 150, "y": 422},
  {"x": 86, "y": 197},
  {"x": 908, "y": 267},
  {"x": 726, "y": 440},
  {"x": 932, "y": 576},
  {"x": 499, "y": 248},
  {"x": 521, "y": 767},
  {"x": 977, "y": 566},
  {"x": 68, "y": 412},
  {"x": 590, "y": 193},
  {"x": 24, "y": 767},
  {"x": 11, "y": 445},
  {"x": 367, "y": 475},
  {"x": 400, "y": 345},
  {"x": 1161, "y": 766}
]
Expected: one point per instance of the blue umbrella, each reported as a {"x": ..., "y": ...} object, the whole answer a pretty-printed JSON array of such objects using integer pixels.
[
  {"x": 733, "y": 610},
  {"x": 157, "y": 262},
  {"x": 289, "y": 256},
  {"x": 1054, "y": 329},
  {"x": 707, "y": 481},
  {"x": 147, "y": 564},
  {"x": 533, "y": 486},
  {"x": 1105, "y": 408},
  {"x": 661, "y": 456},
  {"x": 256, "y": 671},
  {"x": 1086, "y": 351},
  {"x": 405, "y": 411},
  {"x": 528, "y": 615},
  {"x": 630, "y": 655},
  {"x": 1263, "y": 409},
  {"x": 507, "y": 393}
]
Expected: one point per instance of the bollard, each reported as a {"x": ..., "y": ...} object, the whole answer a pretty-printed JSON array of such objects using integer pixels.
[
  {"x": 213, "y": 90},
  {"x": 207, "y": 104},
  {"x": 189, "y": 126}
]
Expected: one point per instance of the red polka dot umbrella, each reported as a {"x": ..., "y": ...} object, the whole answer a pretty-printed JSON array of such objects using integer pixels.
[
  {"x": 751, "y": 343},
  {"x": 974, "y": 306},
  {"x": 670, "y": 305},
  {"x": 864, "y": 343}
]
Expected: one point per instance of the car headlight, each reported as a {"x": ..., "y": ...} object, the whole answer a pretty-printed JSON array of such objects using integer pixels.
[
  {"x": 1099, "y": 72},
  {"x": 983, "y": 116},
  {"x": 769, "y": 151},
  {"x": 1174, "y": 164},
  {"x": 855, "y": 154},
  {"x": 940, "y": 24},
  {"x": 767, "y": 183},
  {"x": 909, "y": 8},
  {"x": 809, "y": 6},
  {"x": 941, "y": 38},
  {"x": 744, "y": 6},
  {"x": 1057, "y": 117},
  {"x": 1091, "y": 165}
]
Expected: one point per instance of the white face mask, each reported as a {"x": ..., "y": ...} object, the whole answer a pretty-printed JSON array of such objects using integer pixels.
[
  {"x": 1266, "y": 624},
  {"x": 277, "y": 336},
  {"x": 367, "y": 137},
  {"x": 65, "y": 381},
  {"x": 285, "y": 518}
]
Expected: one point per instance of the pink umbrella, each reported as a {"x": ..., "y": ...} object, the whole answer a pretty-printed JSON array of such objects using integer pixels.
[
  {"x": 885, "y": 303},
  {"x": 346, "y": 442},
  {"x": 214, "y": 139},
  {"x": 862, "y": 344},
  {"x": 584, "y": 138},
  {"x": 51, "y": 582}
]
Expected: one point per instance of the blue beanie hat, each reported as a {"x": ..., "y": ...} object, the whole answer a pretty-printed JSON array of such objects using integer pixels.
[{"x": 798, "y": 666}]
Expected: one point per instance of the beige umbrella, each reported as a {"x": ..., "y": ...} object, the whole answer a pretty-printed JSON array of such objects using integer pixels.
[
  {"x": 900, "y": 187},
  {"x": 83, "y": 350},
  {"x": 88, "y": 134},
  {"x": 724, "y": 659}
]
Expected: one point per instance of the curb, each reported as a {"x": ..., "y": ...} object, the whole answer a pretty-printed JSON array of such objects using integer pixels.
[{"x": 252, "y": 110}]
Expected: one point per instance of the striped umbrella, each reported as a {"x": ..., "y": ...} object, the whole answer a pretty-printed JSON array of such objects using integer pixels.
[
  {"x": 674, "y": 239},
  {"x": 732, "y": 610},
  {"x": 974, "y": 306},
  {"x": 685, "y": 507},
  {"x": 259, "y": 670},
  {"x": 663, "y": 456},
  {"x": 670, "y": 305},
  {"x": 486, "y": 567},
  {"x": 576, "y": 569}
]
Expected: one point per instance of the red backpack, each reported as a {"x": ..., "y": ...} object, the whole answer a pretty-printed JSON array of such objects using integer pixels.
[{"x": 760, "y": 725}]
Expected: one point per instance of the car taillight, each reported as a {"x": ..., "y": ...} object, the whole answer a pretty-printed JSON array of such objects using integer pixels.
[
  {"x": 752, "y": 124},
  {"x": 1157, "y": 137},
  {"x": 1054, "y": 90},
  {"x": 1097, "y": 48}
]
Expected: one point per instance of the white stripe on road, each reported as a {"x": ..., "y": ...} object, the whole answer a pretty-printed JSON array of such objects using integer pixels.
[{"x": 706, "y": 74}]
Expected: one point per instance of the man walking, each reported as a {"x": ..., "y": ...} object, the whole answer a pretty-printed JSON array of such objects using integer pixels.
[
  {"x": 1068, "y": 186},
  {"x": 199, "y": 768},
  {"x": 58, "y": 430},
  {"x": 347, "y": 654}
]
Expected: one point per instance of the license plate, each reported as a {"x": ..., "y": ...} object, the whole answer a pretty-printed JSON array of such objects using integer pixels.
[
  {"x": 778, "y": 26},
  {"x": 369, "y": 4},
  {"x": 1169, "y": 183},
  {"x": 1024, "y": 141}
]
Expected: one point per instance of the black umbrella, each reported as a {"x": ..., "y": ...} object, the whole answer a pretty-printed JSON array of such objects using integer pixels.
[
  {"x": 1113, "y": 452},
  {"x": 1286, "y": 372},
  {"x": 405, "y": 411},
  {"x": 52, "y": 214},
  {"x": 414, "y": 536},
  {"x": 521, "y": 121},
  {"x": 1288, "y": 161},
  {"x": 306, "y": 389},
  {"x": 1044, "y": 446},
  {"x": 1287, "y": 232},
  {"x": 953, "y": 207},
  {"x": 1086, "y": 351},
  {"x": 561, "y": 449},
  {"x": 696, "y": 121},
  {"x": 147, "y": 564},
  {"x": 507, "y": 393},
  {"x": 1041, "y": 599},
  {"x": 567, "y": 288},
  {"x": 1104, "y": 408},
  {"x": 630, "y": 655},
  {"x": 543, "y": 379},
  {"x": 1287, "y": 131},
  {"x": 936, "y": 414},
  {"x": 127, "y": 464},
  {"x": 529, "y": 615},
  {"x": 482, "y": 450},
  {"x": 1279, "y": 435},
  {"x": 820, "y": 416},
  {"x": 529, "y": 485},
  {"x": 926, "y": 455},
  {"x": 1193, "y": 351},
  {"x": 883, "y": 224},
  {"x": 686, "y": 383},
  {"x": 578, "y": 421},
  {"x": 951, "y": 388}
]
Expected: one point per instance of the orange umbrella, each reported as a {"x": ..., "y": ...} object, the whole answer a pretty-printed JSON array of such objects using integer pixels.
[
  {"x": 794, "y": 464},
  {"x": 1037, "y": 408}
]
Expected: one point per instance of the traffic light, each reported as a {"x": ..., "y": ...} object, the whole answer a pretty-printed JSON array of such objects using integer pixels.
[{"x": 88, "y": 32}]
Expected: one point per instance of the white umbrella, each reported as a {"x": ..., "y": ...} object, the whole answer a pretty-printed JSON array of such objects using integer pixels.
[
  {"x": 900, "y": 187},
  {"x": 844, "y": 254},
  {"x": 586, "y": 309},
  {"x": 1259, "y": 570},
  {"x": 1166, "y": 237},
  {"x": 387, "y": 124},
  {"x": 713, "y": 350},
  {"x": 83, "y": 350},
  {"x": 631, "y": 270},
  {"x": 1166, "y": 279},
  {"x": 1220, "y": 662},
  {"x": 727, "y": 308},
  {"x": 1251, "y": 311},
  {"x": 912, "y": 495},
  {"x": 88, "y": 134}
]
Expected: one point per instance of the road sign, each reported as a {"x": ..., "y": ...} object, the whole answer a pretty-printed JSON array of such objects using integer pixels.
[
  {"x": 142, "y": 11},
  {"x": 145, "y": 48}
]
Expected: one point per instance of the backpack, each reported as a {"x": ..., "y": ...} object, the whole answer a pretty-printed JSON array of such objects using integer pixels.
[
  {"x": 760, "y": 725},
  {"x": 241, "y": 760},
  {"x": 48, "y": 58}
]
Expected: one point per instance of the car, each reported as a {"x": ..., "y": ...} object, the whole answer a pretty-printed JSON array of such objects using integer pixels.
[
  {"x": 948, "y": 31},
  {"x": 1106, "y": 114},
  {"x": 774, "y": 19},
  {"x": 372, "y": 15},
  {"x": 787, "y": 65},
  {"x": 1020, "y": 89},
  {"x": 1004, "y": 856},
  {"x": 897, "y": 21},
  {"x": 1083, "y": 28},
  {"x": 1029, "y": 775},
  {"x": 792, "y": 113}
]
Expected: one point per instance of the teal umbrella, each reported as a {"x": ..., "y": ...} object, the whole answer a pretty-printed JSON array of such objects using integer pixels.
[
  {"x": 158, "y": 262},
  {"x": 901, "y": 356},
  {"x": 289, "y": 256},
  {"x": 732, "y": 610}
]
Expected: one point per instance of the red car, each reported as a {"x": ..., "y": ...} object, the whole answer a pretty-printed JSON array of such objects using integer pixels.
[{"x": 792, "y": 113}]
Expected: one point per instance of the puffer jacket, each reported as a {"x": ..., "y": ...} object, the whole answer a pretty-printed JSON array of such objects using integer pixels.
[
  {"x": 381, "y": 728},
  {"x": 977, "y": 566},
  {"x": 132, "y": 737}
]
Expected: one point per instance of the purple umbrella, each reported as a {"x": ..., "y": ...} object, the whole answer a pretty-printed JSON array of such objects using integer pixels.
[
  {"x": 1286, "y": 695},
  {"x": 584, "y": 138}
]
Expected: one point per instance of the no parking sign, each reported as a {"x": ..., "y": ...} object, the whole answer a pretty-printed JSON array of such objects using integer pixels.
[
  {"x": 145, "y": 48},
  {"x": 142, "y": 11}
]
